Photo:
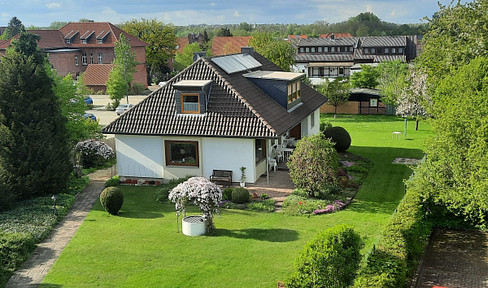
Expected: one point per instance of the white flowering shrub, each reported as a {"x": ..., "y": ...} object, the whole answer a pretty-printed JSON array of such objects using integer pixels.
[
  {"x": 93, "y": 153},
  {"x": 202, "y": 193}
]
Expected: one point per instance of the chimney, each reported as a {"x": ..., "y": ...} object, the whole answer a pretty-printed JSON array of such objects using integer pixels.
[
  {"x": 247, "y": 50},
  {"x": 198, "y": 55}
]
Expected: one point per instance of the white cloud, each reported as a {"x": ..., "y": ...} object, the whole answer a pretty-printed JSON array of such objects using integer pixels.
[
  {"x": 236, "y": 14},
  {"x": 212, "y": 4},
  {"x": 109, "y": 11},
  {"x": 53, "y": 5}
]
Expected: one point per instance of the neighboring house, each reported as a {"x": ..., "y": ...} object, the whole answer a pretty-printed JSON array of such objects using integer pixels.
[
  {"x": 229, "y": 45},
  {"x": 361, "y": 101},
  {"x": 220, "y": 113},
  {"x": 96, "y": 76},
  {"x": 334, "y": 57},
  {"x": 76, "y": 46}
]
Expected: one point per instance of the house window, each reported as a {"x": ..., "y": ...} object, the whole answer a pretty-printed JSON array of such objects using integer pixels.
[
  {"x": 181, "y": 153},
  {"x": 67, "y": 41},
  {"x": 294, "y": 90},
  {"x": 190, "y": 103},
  {"x": 393, "y": 50},
  {"x": 91, "y": 58},
  {"x": 100, "y": 41},
  {"x": 373, "y": 102},
  {"x": 319, "y": 49},
  {"x": 302, "y": 49},
  {"x": 260, "y": 149},
  {"x": 307, "y": 49},
  {"x": 366, "y": 50},
  {"x": 332, "y": 49},
  {"x": 100, "y": 58},
  {"x": 387, "y": 50},
  {"x": 341, "y": 71},
  {"x": 83, "y": 59},
  {"x": 312, "y": 49},
  {"x": 373, "y": 50},
  {"x": 312, "y": 120},
  {"x": 400, "y": 50},
  {"x": 326, "y": 49},
  {"x": 76, "y": 60}
]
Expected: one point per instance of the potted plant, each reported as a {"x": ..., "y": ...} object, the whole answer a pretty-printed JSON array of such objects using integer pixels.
[{"x": 243, "y": 176}]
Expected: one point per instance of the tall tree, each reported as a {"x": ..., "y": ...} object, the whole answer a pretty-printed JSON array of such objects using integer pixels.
[
  {"x": 35, "y": 156},
  {"x": 414, "y": 97},
  {"x": 276, "y": 50},
  {"x": 122, "y": 72},
  {"x": 14, "y": 27},
  {"x": 337, "y": 91},
  {"x": 366, "y": 78},
  {"x": 162, "y": 45},
  {"x": 393, "y": 79},
  {"x": 224, "y": 32},
  {"x": 185, "y": 58}
]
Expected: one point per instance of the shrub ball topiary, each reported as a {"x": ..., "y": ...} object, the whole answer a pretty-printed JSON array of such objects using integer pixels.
[
  {"x": 240, "y": 195},
  {"x": 340, "y": 136},
  {"x": 227, "y": 194},
  {"x": 112, "y": 200}
]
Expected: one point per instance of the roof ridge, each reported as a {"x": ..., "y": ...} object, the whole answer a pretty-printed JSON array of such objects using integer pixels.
[{"x": 239, "y": 96}]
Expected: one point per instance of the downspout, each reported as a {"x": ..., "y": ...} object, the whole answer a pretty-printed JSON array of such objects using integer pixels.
[{"x": 267, "y": 161}]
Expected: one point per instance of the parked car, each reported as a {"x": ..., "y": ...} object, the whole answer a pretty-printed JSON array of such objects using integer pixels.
[
  {"x": 90, "y": 116},
  {"x": 88, "y": 100},
  {"x": 122, "y": 108}
]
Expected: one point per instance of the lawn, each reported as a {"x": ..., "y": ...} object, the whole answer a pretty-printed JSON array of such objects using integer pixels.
[{"x": 141, "y": 247}]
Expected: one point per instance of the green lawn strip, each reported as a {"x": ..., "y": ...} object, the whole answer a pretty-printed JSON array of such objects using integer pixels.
[{"x": 141, "y": 248}]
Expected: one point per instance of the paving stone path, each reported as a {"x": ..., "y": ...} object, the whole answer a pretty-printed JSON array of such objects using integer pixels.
[
  {"x": 42, "y": 259},
  {"x": 455, "y": 259}
]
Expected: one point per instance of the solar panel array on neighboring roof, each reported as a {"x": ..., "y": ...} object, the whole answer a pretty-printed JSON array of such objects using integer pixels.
[{"x": 236, "y": 63}]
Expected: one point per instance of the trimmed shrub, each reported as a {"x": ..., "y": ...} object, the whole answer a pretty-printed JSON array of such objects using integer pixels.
[
  {"x": 340, "y": 136},
  {"x": 112, "y": 199},
  {"x": 331, "y": 259},
  {"x": 240, "y": 195},
  {"x": 324, "y": 125},
  {"x": 227, "y": 194},
  {"x": 15, "y": 248},
  {"x": 94, "y": 153},
  {"x": 399, "y": 248},
  {"x": 112, "y": 182},
  {"x": 313, "y": 163}
]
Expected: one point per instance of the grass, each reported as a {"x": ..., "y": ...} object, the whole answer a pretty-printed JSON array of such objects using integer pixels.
[{"x": 141, "y": 247}]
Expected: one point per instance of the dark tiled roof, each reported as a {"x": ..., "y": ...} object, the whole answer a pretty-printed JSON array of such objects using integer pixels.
[
  {"x": 97, "y": 74},
  {"x": 324, "y": 57},
  {"x": 229, "y": 45},
  {"x": 384, "y": 41},
  {"x": 237, "y": 108},
  {"x": 336, "y": 35},
  {"x": 313, "y": 42},
  {"x": 384, "y": 58}
]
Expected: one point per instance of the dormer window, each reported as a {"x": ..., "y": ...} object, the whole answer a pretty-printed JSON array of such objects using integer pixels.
[
  {"x": 191, "y": 96},
  {"x": 83, "y": 41},
  {"x": 293, "y": 91},
  {"x": 190, "y": 103},
  {"x": 67, "y": 41}
]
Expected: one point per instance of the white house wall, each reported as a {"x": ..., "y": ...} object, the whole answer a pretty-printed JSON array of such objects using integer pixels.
[
  {"x": 229, "y": 154},
  {"x": 139, "y": 156},
  {"x": 306, "y": 125}
]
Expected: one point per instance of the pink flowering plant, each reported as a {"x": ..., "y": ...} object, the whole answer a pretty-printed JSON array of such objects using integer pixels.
[{"x": 202, "y": 193}]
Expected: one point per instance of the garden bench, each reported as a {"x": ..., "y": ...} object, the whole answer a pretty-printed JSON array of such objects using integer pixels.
[{"x": 222, "y": 177}]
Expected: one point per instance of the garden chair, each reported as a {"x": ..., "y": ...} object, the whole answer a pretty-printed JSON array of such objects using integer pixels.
[{"x": 272, "y": 164}]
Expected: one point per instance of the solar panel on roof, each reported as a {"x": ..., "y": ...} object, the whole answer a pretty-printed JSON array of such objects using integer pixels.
[{"x": 236, "y": 63}]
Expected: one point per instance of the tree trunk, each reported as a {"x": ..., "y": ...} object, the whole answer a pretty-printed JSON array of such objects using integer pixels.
[
  {"x": 335, "y": 111},
  {"x": 416, "y": 124}
]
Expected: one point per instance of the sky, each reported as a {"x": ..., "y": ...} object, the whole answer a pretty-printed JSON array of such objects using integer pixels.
[{"x": 185, "y": 12}]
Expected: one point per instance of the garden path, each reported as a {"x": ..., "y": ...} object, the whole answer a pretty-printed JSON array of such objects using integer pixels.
[
  {"x": 42, "y": 259},
  {"x": 455, "y": 259}
]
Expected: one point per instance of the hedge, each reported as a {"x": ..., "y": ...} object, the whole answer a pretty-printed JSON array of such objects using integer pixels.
[{"x": 402, "y": 242}]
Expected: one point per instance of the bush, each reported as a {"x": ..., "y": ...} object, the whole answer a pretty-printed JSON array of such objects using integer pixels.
[
  {"x": 324, "y": 125},
  {"x": 137, "y": 89},
  {"x": 112, "y": 182},
  {"x": 267, "y": 205},
  {"x": 313, "y": 163},
  {"x": 402, "y": 242},
  {"x": 94, "y": 153},
  {"x": 240, "y": 195},
  {"x": 340, "y": 136},
  {"x": 331, "y": 259},
  {"x": 15, "y": 248},
  {"x": 112, "y": 199},
  {"x": 227, "y": 194}
]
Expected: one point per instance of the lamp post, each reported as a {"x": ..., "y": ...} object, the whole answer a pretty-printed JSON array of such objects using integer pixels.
[{"x": 54, "y": 204}]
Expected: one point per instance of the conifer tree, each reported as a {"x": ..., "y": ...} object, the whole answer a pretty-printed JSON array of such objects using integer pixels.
[{"x": 35, "y": 156}]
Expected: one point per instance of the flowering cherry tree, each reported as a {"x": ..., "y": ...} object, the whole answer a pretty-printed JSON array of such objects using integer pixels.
[
  {"x": 413, "y": 98},
  {"x": 202, "y": 193}
]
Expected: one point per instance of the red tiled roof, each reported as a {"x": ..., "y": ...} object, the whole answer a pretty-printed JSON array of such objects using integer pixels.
[
  {"x": 181, "y": 43},
  {"x": 49, "y": 39},
  {"x": 229, "y": 45},
  {"x": 97, "y": 28},
  {"x": 4, "y": 44},
  {"x": 97, "y": 74},
  {"x": 299, "y": 36}
]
